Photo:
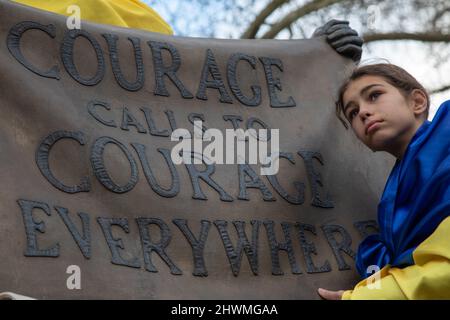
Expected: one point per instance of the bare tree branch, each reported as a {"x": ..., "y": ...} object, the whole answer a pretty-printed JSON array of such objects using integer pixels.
[
  {"x": 312, "y": 6},
  {"x": 441, "y": 89},
  {"x": 253, "y": 29},
  {"x": 438, "y": 15},
  {"x": 425, "y": 36}
]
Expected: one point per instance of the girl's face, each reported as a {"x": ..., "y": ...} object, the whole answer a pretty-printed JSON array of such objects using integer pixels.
[{"x": 380, "y": 116}]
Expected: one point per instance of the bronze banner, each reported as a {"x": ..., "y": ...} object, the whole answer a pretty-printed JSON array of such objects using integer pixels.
[{"x": 92, "y": 206}]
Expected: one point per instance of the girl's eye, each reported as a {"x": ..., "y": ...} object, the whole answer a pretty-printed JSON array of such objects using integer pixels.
[
  {"x": 374, "y": 95},
  {"x": 352, "y": 114}
]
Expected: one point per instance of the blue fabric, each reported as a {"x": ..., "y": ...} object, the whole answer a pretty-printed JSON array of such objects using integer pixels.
[{"x": 416, "y": 198}]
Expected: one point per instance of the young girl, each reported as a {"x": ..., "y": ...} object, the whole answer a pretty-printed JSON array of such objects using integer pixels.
[{"x": 387, "y": 109}]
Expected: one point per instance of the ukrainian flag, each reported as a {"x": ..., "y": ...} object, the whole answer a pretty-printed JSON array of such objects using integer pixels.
[
  {"x": 413, "y": 246},
  {"x": 122, "y": 13}
]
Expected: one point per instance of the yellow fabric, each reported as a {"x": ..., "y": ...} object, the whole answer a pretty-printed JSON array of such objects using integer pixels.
[
  {"x": 123, "y": 13},
  {"x": 428, "y": 278}
]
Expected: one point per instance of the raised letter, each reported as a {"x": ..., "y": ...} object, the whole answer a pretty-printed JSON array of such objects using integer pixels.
[
  {"x": 129, "y": 120},
  {"x": 151, "y": 124},
  {"x": 13, "y": 43},
  {"x": 235, "y": 255},
  {"x": 148, "y": 246},
  {"x": 315, "y": 179},
  {"x": 205, "y": 175},
  {"x": 115, "y": 244},
  {"x": 234, "y": 120},
  {"x": 251, "y": 121},
  {"x": 245, "y": 172},
  {"x": 68, "y": 61},
  {"x": 31, "y": 226},
  {"x": 197, "y": 246},
  {"x": 210, "y": 67},
  {"x": 362, "y": 227},
  {"x": 274, "y": 84},
  {"x": 233, "y": 83},
  {"x": 174, "y": 188},
  {"x": 309, "y": 248},
  {"x": 83, "y": 241},
  {"x": 336, "y": 246},
  {"x": 275, "y": 248},
  {"x": 114, "y": 56},
  {"x": 170, "y": 116},
  {"x": 299, "y": 186},
  {"x": 100, "y": 170},
  {"x": 91, "y": 109},
  {"x": 43, "y": 153},
  {"x": 170, "y": 71}
]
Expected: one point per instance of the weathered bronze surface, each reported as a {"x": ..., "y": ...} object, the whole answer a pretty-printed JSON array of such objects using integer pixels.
[{"x": 87, "y": 178}]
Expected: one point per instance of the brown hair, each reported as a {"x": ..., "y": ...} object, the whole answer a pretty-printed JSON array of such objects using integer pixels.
[{"x": 394, "y": 75}]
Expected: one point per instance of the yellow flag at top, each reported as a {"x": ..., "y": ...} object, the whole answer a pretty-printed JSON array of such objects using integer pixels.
[{"x": 122, "y": 13}]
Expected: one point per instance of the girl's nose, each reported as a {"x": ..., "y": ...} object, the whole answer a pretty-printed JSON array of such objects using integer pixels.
[{"x": 365, "y": 112}]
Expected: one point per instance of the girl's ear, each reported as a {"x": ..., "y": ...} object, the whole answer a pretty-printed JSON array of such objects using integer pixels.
[{"x": 419, "y": 102}]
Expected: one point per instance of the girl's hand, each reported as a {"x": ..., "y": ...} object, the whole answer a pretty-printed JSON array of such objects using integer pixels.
[{"x": 330, "y": 295}]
